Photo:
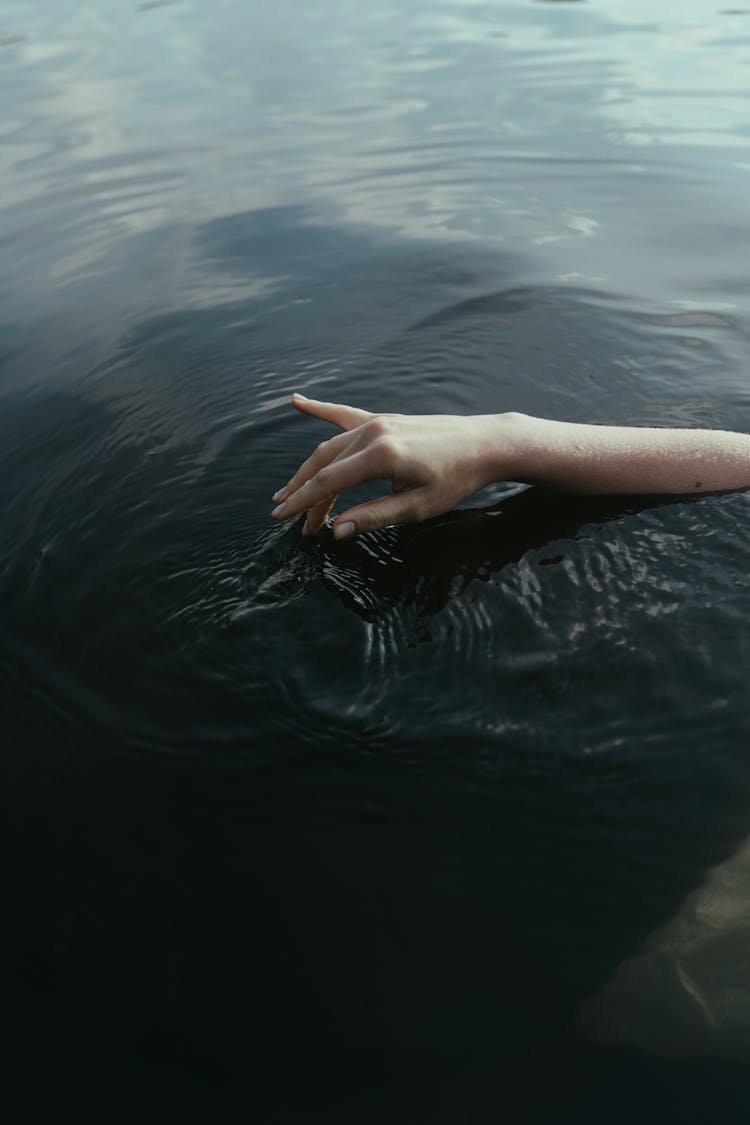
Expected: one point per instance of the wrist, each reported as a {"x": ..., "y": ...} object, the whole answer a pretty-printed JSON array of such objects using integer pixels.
[{"x": 501, "y": 447}]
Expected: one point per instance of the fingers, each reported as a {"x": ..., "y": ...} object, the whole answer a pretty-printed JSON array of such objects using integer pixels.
[
  {"x": 347, "y": 471},
  {"x": 326, "y": 452},
  {"x": 404, "y": 507},
  {"x": 347, "y": 417},
  {"x": 317, "y": 517},
  {"x": 335, "y": 466}
]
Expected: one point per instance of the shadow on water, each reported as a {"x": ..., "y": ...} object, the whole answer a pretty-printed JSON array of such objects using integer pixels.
[{"x": 424, "y": 567}]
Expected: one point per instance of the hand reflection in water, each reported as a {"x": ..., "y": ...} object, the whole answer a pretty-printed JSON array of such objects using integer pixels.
[{"x": 435, "y": 461}]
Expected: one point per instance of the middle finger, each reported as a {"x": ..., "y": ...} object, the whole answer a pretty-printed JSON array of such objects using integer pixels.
[{"x": 326, "y": 452}]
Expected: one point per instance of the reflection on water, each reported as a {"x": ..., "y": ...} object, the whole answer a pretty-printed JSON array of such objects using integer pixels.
[{"x": 354, "y": 832}]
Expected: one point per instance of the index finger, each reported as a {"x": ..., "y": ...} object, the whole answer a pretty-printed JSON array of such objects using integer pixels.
[{"x": 346, "y": 417}]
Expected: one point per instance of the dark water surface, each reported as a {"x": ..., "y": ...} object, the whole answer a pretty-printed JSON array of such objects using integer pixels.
[{"x": 446, "y": 824}]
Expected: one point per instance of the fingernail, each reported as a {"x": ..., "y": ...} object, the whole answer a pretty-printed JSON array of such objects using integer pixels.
[
  {"x": 277, "y": 496},
  {"x": 278, "y": 511},
  {"x": 298, "y": 395},
  {"x": 344, "y": 530}
]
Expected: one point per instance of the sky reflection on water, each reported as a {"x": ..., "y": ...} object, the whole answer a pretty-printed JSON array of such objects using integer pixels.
[{"x": 129, "y": 120}]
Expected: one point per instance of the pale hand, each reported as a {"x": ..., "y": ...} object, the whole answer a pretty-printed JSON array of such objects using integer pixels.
[{"x": 433, "y": 462}]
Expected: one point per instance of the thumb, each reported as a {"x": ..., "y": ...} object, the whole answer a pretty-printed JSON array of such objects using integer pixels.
[
  {"x": 405, "y": 507},
  {"x": 346, "y": 417}
]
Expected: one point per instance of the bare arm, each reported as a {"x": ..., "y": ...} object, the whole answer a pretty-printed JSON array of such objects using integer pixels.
[
  {"x": 435, "y": 461},
  {"x": 629, "y": 459}
]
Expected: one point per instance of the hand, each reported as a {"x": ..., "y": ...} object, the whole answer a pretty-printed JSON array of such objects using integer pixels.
[{"x": 432, "y": 461}]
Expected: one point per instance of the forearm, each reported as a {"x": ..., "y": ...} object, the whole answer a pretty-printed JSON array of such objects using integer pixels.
[
  {"x": 434, "y": 462},
  {"x": 620, "y": 459}
]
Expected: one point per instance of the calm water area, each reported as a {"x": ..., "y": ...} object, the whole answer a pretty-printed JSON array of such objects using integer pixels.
[{"x": 450, "y": 823}]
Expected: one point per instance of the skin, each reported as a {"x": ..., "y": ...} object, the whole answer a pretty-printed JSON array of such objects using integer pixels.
[{"x": 434, "y": 461}]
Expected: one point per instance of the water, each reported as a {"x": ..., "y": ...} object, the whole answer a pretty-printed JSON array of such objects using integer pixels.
[{"x": 448, "y": 823}]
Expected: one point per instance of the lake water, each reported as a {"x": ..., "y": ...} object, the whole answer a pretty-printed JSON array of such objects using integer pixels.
[{"x": 446, "y": 824}]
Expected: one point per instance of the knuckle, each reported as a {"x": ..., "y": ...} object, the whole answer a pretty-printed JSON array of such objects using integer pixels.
[
  {"x": 323, "y": 476},
  {"x": 385, "y": 448},
  {"x": 366, "y": 517},
  {"x": 377, "y": 427}
]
